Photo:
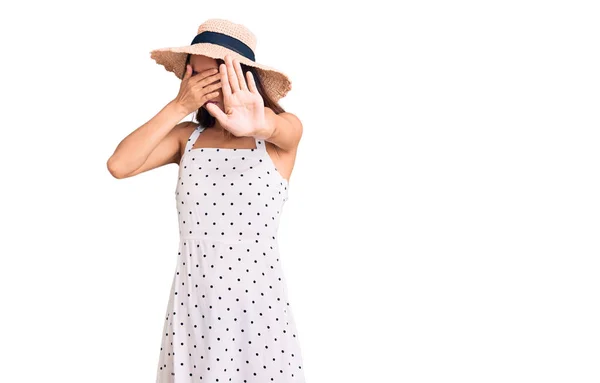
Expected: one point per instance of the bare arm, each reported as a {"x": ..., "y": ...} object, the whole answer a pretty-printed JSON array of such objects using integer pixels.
[
  {"x": 154, "y": 144},
  {"x": 283, "y": 130}
]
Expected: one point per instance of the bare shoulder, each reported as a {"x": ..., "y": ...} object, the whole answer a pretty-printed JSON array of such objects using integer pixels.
[
  {"x": 183, "y": 131},
  {"x": 186, "y": 128},
  {"x": 288, "y": 133},
  {"x": 291, "y": 117},
  {"x": 284, "y": 159},
  {"x": 295, "y": 133}
]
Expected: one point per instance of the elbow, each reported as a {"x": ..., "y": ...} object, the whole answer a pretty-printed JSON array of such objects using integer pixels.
[{"x": 114, "y": 170}]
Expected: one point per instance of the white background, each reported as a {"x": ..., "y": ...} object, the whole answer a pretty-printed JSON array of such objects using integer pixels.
[{"x": 443, "y": 216}]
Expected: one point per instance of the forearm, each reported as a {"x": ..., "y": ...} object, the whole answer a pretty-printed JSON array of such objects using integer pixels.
[
  {"x": 133, "y": 150},
  {"x": 269, "y": 129}
]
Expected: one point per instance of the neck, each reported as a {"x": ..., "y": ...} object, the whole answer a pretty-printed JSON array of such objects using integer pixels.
[{"x": 222, "y": 131}]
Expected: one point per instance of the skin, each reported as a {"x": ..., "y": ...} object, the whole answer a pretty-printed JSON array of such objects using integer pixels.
[{"x": 240, "y": 115}]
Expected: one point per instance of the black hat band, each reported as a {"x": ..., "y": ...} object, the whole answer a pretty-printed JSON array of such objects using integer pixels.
[{"x": 225, "y": 41}]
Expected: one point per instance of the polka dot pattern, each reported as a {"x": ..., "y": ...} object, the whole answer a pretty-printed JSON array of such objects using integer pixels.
[{"x": 228, "y": 317}]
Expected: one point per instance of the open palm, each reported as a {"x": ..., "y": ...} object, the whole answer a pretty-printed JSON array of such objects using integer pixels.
[{"x": 244, "y": 106}]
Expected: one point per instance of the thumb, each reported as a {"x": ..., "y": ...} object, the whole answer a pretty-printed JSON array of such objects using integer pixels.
[{"x": 217, "y": 113}]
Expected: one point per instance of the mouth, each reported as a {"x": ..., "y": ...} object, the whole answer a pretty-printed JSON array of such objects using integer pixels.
[{"x": 211, "y": 102}]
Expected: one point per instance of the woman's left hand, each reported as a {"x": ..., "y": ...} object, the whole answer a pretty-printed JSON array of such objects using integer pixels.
[{"x": 244, "y": 106}]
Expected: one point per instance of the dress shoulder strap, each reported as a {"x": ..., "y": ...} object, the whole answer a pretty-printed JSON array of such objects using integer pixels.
[
  {"x": 260, "y": 144},
  {"x": 193, "y": 138}
]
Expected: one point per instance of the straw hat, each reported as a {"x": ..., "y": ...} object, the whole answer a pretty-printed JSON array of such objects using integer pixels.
[{"x": 216, "y": 38}]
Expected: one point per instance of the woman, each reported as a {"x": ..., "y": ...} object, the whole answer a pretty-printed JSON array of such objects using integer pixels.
[{"x": 228, "y": 317}]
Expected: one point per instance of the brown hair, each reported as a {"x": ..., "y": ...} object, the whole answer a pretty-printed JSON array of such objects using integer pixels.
[{"x": 207, "y": 120}]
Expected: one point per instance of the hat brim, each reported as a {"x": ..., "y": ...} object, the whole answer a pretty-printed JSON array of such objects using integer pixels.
[{"x": 275, "y": 83}]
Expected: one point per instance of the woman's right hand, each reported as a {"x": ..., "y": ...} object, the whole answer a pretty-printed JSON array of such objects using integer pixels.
[{"x": 194, "y": 91}]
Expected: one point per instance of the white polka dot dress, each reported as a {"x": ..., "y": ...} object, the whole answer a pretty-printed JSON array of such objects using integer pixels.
[{"x": 228, "y": 317}]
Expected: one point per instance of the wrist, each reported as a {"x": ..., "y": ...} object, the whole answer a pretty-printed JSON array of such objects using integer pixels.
[
  {"x": 178, "y": 109},
  {"x": 267, "y": 129}
]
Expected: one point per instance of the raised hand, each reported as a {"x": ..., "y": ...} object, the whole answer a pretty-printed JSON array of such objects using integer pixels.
[
  {"x": 194, "y": 91},
  {"x": 244, "y": 108}
]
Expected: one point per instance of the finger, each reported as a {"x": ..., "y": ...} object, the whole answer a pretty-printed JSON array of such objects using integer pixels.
[
  {"x": 235, "y": 86},
  {"x": 207, "y": 97},
  {"x": 202, "y": 80},
  {"x": 217, "y": 113},
  {"x": 240, "y": 74},
  {"x": 210, "y": 80},
  {"x": 251, "y": 83},
  {"x": 210, "y": 89},
  {"x": 208, "y": 76},
  {"x": 224, "y": 81},
  {"x": 187, "y": 73}
]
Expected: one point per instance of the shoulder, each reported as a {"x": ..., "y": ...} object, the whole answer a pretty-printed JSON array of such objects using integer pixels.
[
  {"x": 289, "y": 132},
  {"x": 293, "y": 119},
  {"x": 182, "y": 132},
  {"x": 295, "y": 124},
  {"x": 184, "y": 129},
  {"x": 187, "y": 126}
]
